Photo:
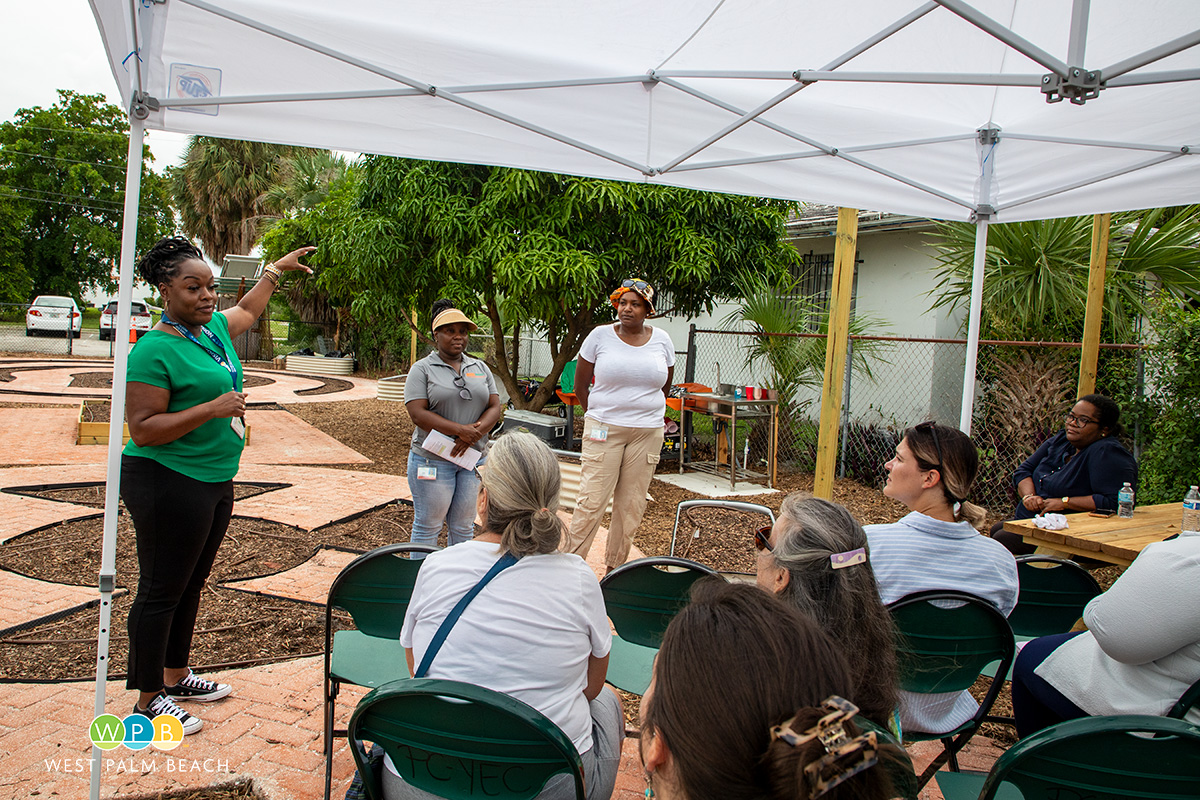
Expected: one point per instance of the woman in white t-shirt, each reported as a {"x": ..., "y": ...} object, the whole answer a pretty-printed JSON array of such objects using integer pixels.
[
  {"x": 623, "y": 420},
  {"x": 537, "y": 631}
]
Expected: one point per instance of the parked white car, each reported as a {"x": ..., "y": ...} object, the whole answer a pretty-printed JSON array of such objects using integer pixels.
[
  {"x": 51, "y": 313},
  {"x": 139, "y": 319}
]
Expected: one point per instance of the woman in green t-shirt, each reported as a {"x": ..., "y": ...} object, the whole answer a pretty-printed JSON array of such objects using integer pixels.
[{"x": 185, "y": 409}]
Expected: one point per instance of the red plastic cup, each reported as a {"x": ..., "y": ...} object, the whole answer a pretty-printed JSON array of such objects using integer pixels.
[{"x": 750, "y": 393}]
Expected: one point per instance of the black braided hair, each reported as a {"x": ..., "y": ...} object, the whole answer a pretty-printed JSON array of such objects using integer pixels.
[
  {"x": 162, "y": 263},
  {"x": 439, "y": 306}
]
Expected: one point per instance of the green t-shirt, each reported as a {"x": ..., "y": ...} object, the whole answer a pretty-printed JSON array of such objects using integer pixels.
[{"x": 211, "y": 452}]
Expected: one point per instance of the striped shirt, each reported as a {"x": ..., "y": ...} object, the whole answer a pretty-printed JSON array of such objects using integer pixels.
[{"x": 920, "y": 553}]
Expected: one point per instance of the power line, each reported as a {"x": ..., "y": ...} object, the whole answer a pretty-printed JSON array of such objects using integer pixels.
[
  {"x": 9, "y": 152},
  {"x": 17, "y": 196},
  {"x": 115, "y": 206}
]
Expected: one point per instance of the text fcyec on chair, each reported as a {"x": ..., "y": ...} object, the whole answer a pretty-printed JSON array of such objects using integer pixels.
[
  {"x": 1097, "y": 758},
  {"x": 640, "y": 598},
  {"x": 945, "y": 639},
  {"x": 456, "y": 740},
  {"x": 374, "y": 589}
]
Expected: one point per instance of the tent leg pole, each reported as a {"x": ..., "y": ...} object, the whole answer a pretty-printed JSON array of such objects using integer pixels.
[
  {"x": 968, "y": 391},
  {"x": 1101, "y": 224},
  {"x": 112, "y": 486},
  {"x": 840, "y": 296}
]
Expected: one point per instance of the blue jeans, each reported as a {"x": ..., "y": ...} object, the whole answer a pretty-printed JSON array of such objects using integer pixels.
[{"x": 448, "y": 498}]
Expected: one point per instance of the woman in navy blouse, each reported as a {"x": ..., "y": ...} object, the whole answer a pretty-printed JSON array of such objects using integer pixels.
[{"x": 1081, "y": 468}]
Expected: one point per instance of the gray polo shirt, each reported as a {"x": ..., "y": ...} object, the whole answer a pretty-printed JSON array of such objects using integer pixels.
[{"x": 433, "y": 380}]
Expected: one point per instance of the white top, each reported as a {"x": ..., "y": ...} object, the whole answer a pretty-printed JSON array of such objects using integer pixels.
[
  {"x": 528, "y": 633},
  {"x": 920, "y": 553},
  {"x": 629, "y": 380},
  {"x": 1142, "y": 646}
]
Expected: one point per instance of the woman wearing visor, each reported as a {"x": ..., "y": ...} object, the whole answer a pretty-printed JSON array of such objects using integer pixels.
[
  {"x": 632, "y": 364},
  {"x": 454, "y": 394}
]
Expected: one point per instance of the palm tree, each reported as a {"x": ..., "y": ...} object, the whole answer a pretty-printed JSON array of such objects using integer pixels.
[
  {"x": 220, "y": 190},
  {"x": 1035, "y": 283},
  {"x": 304, "y": 179}
]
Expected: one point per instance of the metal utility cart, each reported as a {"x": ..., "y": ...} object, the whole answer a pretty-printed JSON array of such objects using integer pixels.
[{"x": 732, "y": 409}]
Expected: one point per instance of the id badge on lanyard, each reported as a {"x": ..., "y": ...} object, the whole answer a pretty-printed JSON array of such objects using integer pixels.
[{"x": 236, "y": 423}]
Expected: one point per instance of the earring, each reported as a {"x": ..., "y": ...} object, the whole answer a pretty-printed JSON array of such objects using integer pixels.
[{"x": 649, "y": 785}]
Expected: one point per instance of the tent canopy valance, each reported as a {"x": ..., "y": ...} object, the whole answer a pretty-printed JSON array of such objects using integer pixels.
[{"x": 885, "y": 104}]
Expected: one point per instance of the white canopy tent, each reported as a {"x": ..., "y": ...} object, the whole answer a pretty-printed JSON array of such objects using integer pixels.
[{"x": 947, "y": 109}]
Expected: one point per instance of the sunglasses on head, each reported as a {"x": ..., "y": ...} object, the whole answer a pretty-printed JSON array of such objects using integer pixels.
[
  {"x": 762, "y": 539},
  {"x": 463, "y": 391},
  {"x": 931, "y": 429},
  {"x": 630, "y": 283}
]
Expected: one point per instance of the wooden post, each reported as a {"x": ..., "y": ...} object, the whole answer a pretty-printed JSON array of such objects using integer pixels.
[
  {"x": 840, "y": 296},
  {"x": 1095, "y": 304},
  {"x": 412, "y": 341}
]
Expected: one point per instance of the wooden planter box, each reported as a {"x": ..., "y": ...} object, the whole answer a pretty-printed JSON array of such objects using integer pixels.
[{"x": 97, "y": 432}]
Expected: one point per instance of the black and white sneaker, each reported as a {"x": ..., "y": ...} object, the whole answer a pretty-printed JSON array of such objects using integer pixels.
[
  {"x": 161, "y": 704},
  {"x": 196, "y": 688}
]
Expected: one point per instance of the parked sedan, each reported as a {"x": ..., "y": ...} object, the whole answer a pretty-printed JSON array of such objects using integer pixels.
[
  {"x": 139, "y": 319},
  {"x": 53, "y": 314}
]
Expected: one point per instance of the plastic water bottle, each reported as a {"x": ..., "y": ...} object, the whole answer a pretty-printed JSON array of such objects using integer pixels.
[
  {"x": 1125, "y": 501},
  {"x": 1191, "y": 510}
]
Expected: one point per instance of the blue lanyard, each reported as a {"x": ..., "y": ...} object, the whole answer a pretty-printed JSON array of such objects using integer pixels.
[{"x": 222, "y": 359}]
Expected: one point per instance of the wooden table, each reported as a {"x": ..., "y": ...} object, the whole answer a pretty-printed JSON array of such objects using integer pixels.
[{"x": 1112, "y": 539}]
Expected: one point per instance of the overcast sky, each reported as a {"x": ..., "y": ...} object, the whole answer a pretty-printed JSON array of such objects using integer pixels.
[{"x": 53, "y": 46}]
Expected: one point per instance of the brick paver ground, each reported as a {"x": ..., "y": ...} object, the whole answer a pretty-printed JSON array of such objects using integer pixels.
[
  {"x": 308, "y": 582},
  {"x": 317, "y": 496},
  {"x": 277, "y": 437},
  {"x": 19, "y": 513},
  {"x": 28, "y": 599},
  {"x": 41, "y": 385}
]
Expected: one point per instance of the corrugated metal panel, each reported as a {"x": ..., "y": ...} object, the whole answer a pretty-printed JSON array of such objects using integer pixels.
[{"x": 319, "y": 365}]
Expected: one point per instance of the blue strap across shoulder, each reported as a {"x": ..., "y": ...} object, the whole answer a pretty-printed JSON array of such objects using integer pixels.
[{"x": 505, "y": 561}]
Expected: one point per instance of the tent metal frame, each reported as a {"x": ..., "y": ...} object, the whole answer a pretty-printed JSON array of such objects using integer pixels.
[{"x": 1064, "y": 80}]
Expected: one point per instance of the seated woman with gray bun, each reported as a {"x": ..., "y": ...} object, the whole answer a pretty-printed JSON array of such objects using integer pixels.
[
  {"x": 815, "y": 557},
  {"x": 536, "y": 631}
]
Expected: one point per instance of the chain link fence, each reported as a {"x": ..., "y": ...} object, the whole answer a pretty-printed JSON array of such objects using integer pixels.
[
  {"x": 1023, "y": 392},
  {"x": 15, "y": 338}
]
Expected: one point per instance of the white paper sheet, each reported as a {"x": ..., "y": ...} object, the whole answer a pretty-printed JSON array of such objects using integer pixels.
[{"x": 440, "y": 445}]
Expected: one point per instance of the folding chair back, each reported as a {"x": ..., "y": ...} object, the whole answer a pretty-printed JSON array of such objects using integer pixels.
[
  {"x": 1053, "y": 594},
  {"x": 641, "y": 597},
  {"x": 1098, "y": 758},
  {"x": 1186, "y": 701},
  {"x": 375, "y": 590},
  {"x": 946, "y": 638},
  {"x": 727, "y": 505},
  {"x": 898, "y": 764},
  {"x": 457, "y": 740}
]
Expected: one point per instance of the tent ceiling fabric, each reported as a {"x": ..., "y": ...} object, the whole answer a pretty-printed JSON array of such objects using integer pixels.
[{"x": 704, "y": 94}]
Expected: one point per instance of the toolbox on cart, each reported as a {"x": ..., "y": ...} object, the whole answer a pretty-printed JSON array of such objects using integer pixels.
[{"x": 551, "y": 430}]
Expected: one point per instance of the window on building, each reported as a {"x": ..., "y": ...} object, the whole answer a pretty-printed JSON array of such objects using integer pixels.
[{"x": 815, "y": 282}]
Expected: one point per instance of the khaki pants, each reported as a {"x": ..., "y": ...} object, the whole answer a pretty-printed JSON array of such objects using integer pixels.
[{"x": 621, "y": 468}]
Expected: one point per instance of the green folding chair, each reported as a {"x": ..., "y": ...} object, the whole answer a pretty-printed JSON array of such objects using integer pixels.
[
  {"x": 945, "y": 639},
  {"x": 897, "y": 762},
  {"x": 1053, "y": 594},
  {"x": 1097, "y": 758},
  {"x": 456, "y": 740},
  {"x": 1184, "y": 704},
  {"x": 374, "y": 589},
  {"x": 641, "y": 597}
]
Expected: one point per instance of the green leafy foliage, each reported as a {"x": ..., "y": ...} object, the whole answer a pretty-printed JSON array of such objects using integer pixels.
[
  {"x": 1171, "y": 462},
  {"x": 1035, "y": 280},
  {"x": 62, "y": 191},
  {"x": 530, "y": 251},
  {"x": 229, "y": 190},
  {"x": 773, "y": 307}
]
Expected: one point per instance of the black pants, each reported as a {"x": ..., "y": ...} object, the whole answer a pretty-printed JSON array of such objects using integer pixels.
[
  {"x": 180, "y": 523},
  {"x": 1015, "y": 544}
]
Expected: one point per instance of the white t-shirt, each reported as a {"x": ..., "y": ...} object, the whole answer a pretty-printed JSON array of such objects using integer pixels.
[
  {"x": 528, "y": 633},
  {"x": 629, "y": 380}
]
